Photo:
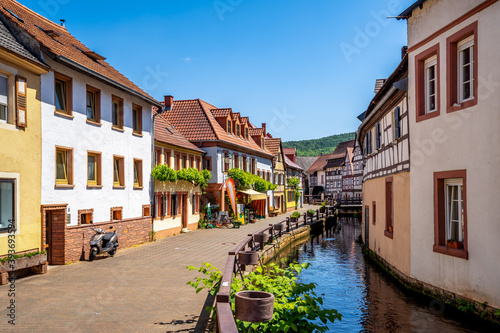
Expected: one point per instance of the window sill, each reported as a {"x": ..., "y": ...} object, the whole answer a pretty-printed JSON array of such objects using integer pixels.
[
  {"x": 388, "y": 234},
  {"x": 94, "y": 186},
  {"x": 118, "y": 129},
  {"x": 464, "y": 105},
  {"x": 443, "y": 249},
  {"x": 138, "y": 187},
  {"x": 119, "y": 187},
  {"x": 426, "y": 116},
  {"x": 94, "y": 123},
  {"x": 64, "y": 114},
  {"x": 64, "y": 186},
  {"x": 137, "y": 134}
]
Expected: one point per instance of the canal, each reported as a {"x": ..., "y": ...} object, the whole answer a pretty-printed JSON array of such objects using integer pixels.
[{"x": 367, "y": 299}]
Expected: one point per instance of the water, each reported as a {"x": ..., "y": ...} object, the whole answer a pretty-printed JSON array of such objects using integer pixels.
[{"x": 368, "y": 300}]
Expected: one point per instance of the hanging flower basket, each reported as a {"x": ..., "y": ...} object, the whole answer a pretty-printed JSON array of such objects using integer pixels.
[
  {"x": 261, "y": 238},
  {"x": 248, "y": 258},
  {"x": 254, "y": 306}
]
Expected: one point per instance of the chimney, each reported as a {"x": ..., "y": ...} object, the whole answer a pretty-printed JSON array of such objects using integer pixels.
[
  {"x": 264, "y": 128},
  {"x": 404, "y": 50},
  {"x": 63, "y": 24},
  {"x": 169, "y": 102}
]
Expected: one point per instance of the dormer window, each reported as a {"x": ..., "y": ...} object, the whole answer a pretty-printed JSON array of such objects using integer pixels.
[
  {"x": 229, "y": 126},
  {"x": 246, "y": 133},
  {"x": 237, "y": 130}
]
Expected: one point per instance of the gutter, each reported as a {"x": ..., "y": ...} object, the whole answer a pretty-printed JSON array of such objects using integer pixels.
[{"x": 105, "y": 79}]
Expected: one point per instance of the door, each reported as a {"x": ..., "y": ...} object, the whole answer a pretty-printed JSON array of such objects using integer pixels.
[
  {"x": 56, "y": 230},
  {"x": 184, "y": 210}
]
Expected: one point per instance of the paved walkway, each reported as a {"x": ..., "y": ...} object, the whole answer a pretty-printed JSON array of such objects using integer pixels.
[{"x": 141, "y": 289}]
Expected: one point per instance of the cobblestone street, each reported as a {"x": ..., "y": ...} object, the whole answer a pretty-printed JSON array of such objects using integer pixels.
[{"x": 141, "y": 289}]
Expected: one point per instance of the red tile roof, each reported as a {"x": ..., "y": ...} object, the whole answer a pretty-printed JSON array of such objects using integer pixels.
[
  {"x": 289, "y": 151},
  {"x": 290, "y": 164},
  {"x": 221, "y": 112},
  {"x": 255, "y": 131},
  {"x": 273, "y": 145},
  {"x": 322, "y": 160},
  {"x": 236, "y": 116},
  {"x": 165, "y": 132},
  {"x": 64, "y": 46},
  {"x": 244, "y": 120},
  {"x": 195, "y": 120}
]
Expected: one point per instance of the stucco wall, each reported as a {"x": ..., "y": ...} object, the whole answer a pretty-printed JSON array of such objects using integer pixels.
[
  {"x": 463, "y": 140},
  {"x": 80, "y": 136},
  {"x": 396, "y": 251},
  {"x": 20, "y": 159}
]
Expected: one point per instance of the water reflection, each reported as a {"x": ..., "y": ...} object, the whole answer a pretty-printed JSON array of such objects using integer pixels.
[{"x": 367, "y": 299}]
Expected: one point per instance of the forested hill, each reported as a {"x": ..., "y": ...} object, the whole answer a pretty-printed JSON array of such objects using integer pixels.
[{"x": 315, "y": 147}]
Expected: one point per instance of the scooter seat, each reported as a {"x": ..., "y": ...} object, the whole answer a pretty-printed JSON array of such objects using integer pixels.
[{"x": 108, "y": 236}]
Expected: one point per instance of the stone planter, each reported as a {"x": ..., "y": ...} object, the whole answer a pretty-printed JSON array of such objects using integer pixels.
[
  {"x": 248, "y": 258},
  {"x": 261, "y": 238},
  {"x": 254, "y": 306},
  {"x": 24, "y": 262}
]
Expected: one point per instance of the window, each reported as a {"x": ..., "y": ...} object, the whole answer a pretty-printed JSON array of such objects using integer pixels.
[
  {"x": 397, "y": 123},
  {"x": 159, "y": 212},
  {"x": 166, "y": 203},
  {"x": 167, "y": 158},
  {"x": 94, "y": 169},
  {"x": 237, "y": 130},
  {"x": 245, "y": 164},
  {"x": 93, "y": 105},
  {"x": 207, "y": 163},
  {"x": 462, "y": 63},
  {"x": 374, "y": 205},
  {"x": 118, "y": 172},
  {"x": 136, "y": 120},
  {"x": 229, "y": 126},
  {"x": 146, "y": 210},
  {"x": 246, "y": 133},
  {"x": 157, "y": 156},
  {"x": 4, "y": 99},
  {"x": 138, "y": 173},
  {"x": 117, "y": 113},
  {"x": 389, "y": 215},
  {"x": 85, "y": 216},
  {"x": 367, "y": 217},
  {"x": 177, "y": 162},
  {"x": 430, "y": 80},
  {"x": 377, "y": 136},
  {"x": 183, "y": 162},
  {"x": 450, "y": 213},
  {"x": 173, "y": 205},
  {"x": 7, "y": 203},
  {"x": 116, "y": 213},
  {"x": 198, "y": 163},
  {"x": 427, "y": 83},
  {"x": 368, "y": 143},
  {"x": 63, "y": 94},
  {"x": 64, "y": 166}
]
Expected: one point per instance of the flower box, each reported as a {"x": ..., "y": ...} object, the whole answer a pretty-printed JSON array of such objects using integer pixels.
[
  {"x": 455, "y": 244},
  {"x": 24, "y": 262}
]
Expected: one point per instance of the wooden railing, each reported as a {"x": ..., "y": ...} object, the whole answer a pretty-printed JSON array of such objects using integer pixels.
[{"x": 225, "y": 319}]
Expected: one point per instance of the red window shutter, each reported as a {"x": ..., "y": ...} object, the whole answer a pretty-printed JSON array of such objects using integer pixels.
[{"x": 21, "y": 101}]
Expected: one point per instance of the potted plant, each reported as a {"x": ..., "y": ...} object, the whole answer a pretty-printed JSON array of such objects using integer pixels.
[
  {"x": 311, "y": 212},
  {"x": 454, "y": 244},
  {"x": 322, "y": 209},
  {"x": 295, "y": 217},
  {"x": 248, "y": 258}
]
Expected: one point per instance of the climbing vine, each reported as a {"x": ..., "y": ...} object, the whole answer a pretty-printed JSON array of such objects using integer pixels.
[
  {"x": 246, "y": 179},
  {"x": 164, "y": 173}
]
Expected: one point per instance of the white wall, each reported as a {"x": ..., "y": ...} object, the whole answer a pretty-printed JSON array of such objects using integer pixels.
[
  {"x": 466, "y": 139},
  {"x": 77, "y": 134}
]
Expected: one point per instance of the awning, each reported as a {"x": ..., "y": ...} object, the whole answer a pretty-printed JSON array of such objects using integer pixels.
[{"x": 254, "y": 195}]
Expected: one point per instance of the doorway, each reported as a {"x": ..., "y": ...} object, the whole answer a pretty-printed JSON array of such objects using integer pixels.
[
  {"x": 55, "y": 235},
  {"x": 184, "y": 210}
]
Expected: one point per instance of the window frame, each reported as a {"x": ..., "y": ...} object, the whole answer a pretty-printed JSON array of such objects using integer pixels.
[
  {"x": 440, "y": 222},
  {"x": 118, "y": 211},
  {"x": 86, "y": 213},
  {"x": 96, "y": 93},
  {"x": 389, "y": 208},
  {"x": 237, "y": 130},
  {"x": 374, "y": 212},
  {"x": 397, "y": 123},
  {"x": 428, "y": 64},
  {"x": 98, "y": 169},
  {"x": 68, "y": 181},
  {"x": 13, "y": 181},
  {"x": 121, "y": 172},
  {"x": 68, "y": 95},
  {"x": 137, "y": 117},
  {"x": 452, "y": 42},
  {"x": 229, "y": 123},
  {"x": 7, "y": 96},
  {"x": 378, "y": 136},
  {"x": 421, "y": 102},
  {"x": 119, "y": 101},
  {"x": 137, "y": 168}
]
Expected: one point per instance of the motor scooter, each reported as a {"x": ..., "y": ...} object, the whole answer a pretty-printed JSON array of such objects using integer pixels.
[{"x": 103, "y": 242}]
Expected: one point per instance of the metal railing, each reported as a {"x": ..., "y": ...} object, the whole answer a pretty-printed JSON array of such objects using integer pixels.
[{"x": 225, "y": 319}]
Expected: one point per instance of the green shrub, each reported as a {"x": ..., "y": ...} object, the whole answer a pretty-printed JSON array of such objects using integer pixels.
[
  {"x": 297, "y": 308},
  {"x": 164, "y": 173},
  {"x": 311, "y": 211},
  {"x": 295, "y": 214},
  {"x": 246, "y": 179}
]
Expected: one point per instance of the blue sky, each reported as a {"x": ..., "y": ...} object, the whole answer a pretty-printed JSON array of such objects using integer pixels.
[{"x": 306, "y": 68}]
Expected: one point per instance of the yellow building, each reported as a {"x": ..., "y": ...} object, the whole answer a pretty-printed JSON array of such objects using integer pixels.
[{"x": 20, "y": 156}]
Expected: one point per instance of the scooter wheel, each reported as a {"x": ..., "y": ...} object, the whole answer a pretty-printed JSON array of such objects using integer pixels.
[
  {"x": 93, "y": 254},
  {"x": 112, "y": 252}
]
